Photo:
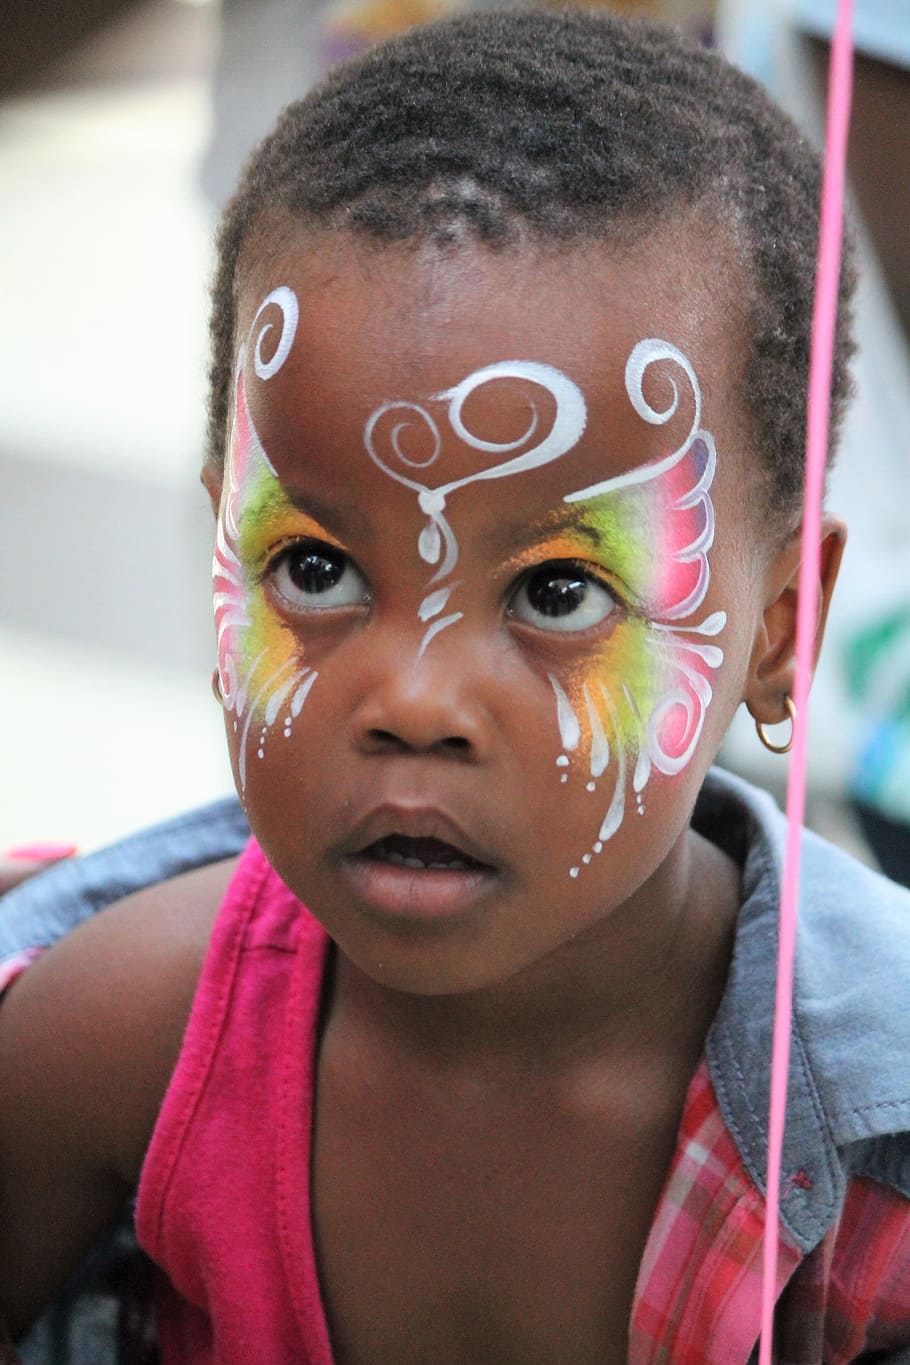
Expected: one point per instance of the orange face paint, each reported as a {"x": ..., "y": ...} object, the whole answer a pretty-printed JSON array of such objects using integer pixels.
[{"x": 262, "y": 672}]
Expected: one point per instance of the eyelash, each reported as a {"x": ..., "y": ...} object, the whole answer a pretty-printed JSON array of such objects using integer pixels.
[
  {"x": 583, "y": 572},
  {"x": 282, "y": 555}
]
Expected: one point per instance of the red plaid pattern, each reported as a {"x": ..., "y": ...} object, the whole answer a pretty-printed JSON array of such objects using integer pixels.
[
  {"x": 697, "y": 1301},
  {"x": 853, "y": 1292},
  {"x": 699, "y": 1287}
]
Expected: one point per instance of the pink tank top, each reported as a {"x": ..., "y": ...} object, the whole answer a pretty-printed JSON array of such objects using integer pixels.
[{"x": 224, "y": 1198}]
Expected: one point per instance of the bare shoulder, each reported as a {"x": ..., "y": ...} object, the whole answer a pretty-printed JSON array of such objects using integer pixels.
[
  {"x": 89, "y": 1037},
  {"x": 101, "y": 1015}
]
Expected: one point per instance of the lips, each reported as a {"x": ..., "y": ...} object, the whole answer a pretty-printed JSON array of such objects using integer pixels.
[
  {"x": 420, "y": 855},
  {"x": 416, "y": 863},
  {"x": 424, "y": 833}
]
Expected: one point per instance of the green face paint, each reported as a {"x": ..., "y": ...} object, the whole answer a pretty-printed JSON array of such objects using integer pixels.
[
  {"x": 262, "y": 674},
  {"x": 639, "y": 700}
]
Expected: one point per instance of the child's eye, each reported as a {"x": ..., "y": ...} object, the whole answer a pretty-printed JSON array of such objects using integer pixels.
[
  {"x": 562, "y": 596},
  {"x": 314, "y": 577}
]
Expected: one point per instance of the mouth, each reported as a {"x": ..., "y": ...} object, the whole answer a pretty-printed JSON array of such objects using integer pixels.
[
  {"x": 422, "y": 855},
  {"x": 416, "y": 865}
]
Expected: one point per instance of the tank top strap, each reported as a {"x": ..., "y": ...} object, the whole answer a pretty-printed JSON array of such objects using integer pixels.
[{"x": 224, "y": 1202}]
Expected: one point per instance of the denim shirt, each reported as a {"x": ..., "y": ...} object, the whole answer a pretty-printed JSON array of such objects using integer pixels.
[
  {"x": 848, "y": 1110},
  {"x": 848, "y": 1098},
  {"x": 38, "y": 912}
]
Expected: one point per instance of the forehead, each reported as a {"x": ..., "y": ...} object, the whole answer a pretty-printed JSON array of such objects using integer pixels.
[{"x": 381, "y": 324}]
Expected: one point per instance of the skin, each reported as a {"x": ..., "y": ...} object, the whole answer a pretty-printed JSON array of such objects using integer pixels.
[{"x": 513, "y": 1042}]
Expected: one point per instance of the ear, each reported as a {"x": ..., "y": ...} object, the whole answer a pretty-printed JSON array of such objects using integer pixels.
[
  {"x": 211, "y": 480},
  {"x": 772, "y": 665}
]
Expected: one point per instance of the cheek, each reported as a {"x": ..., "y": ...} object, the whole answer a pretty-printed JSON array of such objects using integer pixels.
[
  {"x": 636, "y": 708},
  {"x": 264, "y": 675},
  {"x": 609, "y": 698},
  {"x": 602, "y": 716}
]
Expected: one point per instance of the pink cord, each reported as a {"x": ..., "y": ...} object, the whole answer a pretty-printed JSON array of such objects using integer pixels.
[{"x": 823, "y": 324}]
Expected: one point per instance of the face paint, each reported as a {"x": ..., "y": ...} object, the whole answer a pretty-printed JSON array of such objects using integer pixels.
[
  {"x": 262, "y": 675},
  {"x": 437, "y": 540},
  {"x": 640, "y": 699}
]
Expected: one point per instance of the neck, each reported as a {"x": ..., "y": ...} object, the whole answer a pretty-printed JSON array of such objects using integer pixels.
[{"x": 646, "y": 979}]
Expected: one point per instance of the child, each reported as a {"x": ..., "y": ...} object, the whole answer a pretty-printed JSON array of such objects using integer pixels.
[{"x": 510, "y": 341}]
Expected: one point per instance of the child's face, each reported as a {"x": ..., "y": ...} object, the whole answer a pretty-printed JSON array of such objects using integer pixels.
[{"x": 485, "y": 602}]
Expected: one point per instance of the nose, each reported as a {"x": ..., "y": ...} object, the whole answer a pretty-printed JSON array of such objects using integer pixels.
[{"x": 430, "y": 703}]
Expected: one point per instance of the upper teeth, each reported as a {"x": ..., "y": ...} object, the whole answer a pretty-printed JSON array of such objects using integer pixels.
[{"x": 399, "y": 859}]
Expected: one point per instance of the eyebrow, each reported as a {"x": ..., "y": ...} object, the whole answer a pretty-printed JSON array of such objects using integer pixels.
[
  {"x": 342, "y": 519},
  {"x": 522, "y": 536}
]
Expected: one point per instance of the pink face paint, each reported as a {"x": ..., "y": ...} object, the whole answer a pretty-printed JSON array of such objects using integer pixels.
[
  {"x": 262, "y": 675},
  {"x": 643, "y": 695}
]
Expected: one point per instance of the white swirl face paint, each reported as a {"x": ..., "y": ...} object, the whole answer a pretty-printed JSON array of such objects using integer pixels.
[
  {"x": 286, "y": 300},
  {"x": 437, "y": 543},
  {"x": 638, "y": 704},
  {"x": 264, "y": 682}
]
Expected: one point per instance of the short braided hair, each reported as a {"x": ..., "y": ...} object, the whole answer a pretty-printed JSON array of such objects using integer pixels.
[{"x": 566, "y": 125}]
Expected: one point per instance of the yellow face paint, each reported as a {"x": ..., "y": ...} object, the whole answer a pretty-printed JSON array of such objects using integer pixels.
[
  {"x": 637, "y": 701},
  {"x": 263, "y": 675}
]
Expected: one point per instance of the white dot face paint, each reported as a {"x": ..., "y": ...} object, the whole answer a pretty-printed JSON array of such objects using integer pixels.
[
  {"x": 264, "y": 681},
  {"x": 388, "y": 426},
  {"x": 638, "y": 705},
  {"x": 632, "y": 704}
]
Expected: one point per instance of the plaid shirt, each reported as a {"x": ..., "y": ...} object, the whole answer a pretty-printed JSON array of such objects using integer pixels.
[
  {"x": 698, "y": 1296},
  {"x": 697, "y": 1300}
]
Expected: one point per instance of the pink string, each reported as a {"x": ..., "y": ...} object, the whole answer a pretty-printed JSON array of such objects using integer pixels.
[{"x": 819, "y": 404}]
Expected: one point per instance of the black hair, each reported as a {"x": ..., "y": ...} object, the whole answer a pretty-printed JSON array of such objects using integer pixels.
[{"x": 565, "y": 125}]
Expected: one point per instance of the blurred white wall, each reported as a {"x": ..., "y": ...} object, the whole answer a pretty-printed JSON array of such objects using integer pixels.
[
  {"x": 105, "y": 638},
  {"x": 870, "y": 486},
  {"x": 106, "y": 646}
]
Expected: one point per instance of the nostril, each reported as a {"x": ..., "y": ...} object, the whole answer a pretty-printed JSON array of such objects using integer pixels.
[{"x": 388, "y": 740}]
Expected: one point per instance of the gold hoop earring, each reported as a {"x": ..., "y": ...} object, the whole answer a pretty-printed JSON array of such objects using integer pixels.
[
  {"x": 216, "y": 687},
  {"x": 778, "y": 748}
]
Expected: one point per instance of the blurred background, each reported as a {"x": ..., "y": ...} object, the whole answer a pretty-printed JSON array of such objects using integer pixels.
[{"x": 123, "y": 124}]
